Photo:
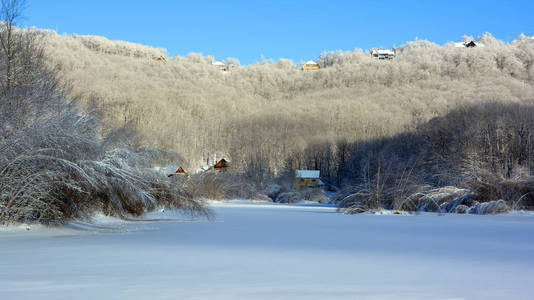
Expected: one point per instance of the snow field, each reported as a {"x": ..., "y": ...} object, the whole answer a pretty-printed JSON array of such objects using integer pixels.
[{"x": 267, "y": 251}]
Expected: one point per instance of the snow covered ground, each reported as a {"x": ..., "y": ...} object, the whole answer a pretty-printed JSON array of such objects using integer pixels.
[{"x": 269, "y": 251}]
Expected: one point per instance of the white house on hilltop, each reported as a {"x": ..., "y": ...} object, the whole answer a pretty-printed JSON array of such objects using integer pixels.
[
  {"x": 470, "y": 44},
  {"x": 382, "y": 54},
  {"x": 220, "y": 65}
]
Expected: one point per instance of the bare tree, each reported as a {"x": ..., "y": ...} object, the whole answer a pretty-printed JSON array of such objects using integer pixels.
[
  {"x": 10, "y": 12},
  {"x": 28, "y": 87}
]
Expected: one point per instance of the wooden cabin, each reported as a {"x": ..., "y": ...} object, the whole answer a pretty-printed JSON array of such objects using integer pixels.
[
  {"x": 179, "y": 172},
  {"x": 307, "y": 178},
  {"x": 161, "y": 58},
  {"x": 310, "y": 65},
  {"x": 221, "y": 165}
]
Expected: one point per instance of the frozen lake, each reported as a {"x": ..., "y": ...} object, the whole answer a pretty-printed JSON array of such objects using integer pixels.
[{"x": 269, "y": 251}]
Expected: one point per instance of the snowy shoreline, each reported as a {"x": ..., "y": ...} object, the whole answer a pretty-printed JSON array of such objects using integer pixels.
[{"x": 107, "y": 223}]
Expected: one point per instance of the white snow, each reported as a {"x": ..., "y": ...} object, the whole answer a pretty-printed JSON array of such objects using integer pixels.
[
  {"x": 170, "y": 169},
  {"x": 260, "y": 250},
  {"x": 384, "y": 52},
  {"x": 308, "y": 173}
]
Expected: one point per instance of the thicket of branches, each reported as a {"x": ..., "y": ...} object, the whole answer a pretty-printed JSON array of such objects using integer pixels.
[
  {"x": 55, "y": 162},
  {"x": 474, "y": 154}
]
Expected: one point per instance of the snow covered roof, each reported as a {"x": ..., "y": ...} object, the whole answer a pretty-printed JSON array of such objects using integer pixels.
[
  {"x": 464, "y": 44},
  {"x": 308, "y": 173},
  {"x": 310, "y": 62},
  {"x": 218, "y": 63},
  {"x": 170, "y": 169},
  {"x": 383, "y": 51}
]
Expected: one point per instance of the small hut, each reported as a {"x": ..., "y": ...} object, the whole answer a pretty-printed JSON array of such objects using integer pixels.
[
  {"x": 231, "y": 67},
  {"x": 178, "y": 172},
  {"x": 221, "y": 165},
  {"x": 471, "y": 44},
  {"x": 161, "y": 58},
  {"x": 307, "y": 178},
  {"x": 310, "y": 65},
  {"x": 219, "y": 64},
  {"x": 382, "y": 54}
]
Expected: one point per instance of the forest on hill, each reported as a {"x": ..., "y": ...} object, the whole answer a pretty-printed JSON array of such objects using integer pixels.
[
  {"x": 432, "y": 117},
  {"x": 270, "y": 111},
  {"x": 384, "y": 133}
]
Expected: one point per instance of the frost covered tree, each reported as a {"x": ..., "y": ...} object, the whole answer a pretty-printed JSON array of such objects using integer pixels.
[
  {"x": 56, "y": 162},
  {"x": 11, "y": 12}
]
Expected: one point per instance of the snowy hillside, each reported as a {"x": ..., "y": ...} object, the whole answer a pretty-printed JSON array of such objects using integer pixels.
[{"x": 269, "y": 251}]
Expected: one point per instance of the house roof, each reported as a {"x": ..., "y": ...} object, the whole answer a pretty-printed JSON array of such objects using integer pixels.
[
  {"x": 308, "y": 173},
  {"x": 310, "y": 62},
  {"x": 171, "y": 169},
  {"x": 223, "y": 163},
  {"x": 465, "y": 44},
  {"x": 470, "y": 44},
  {"x": 383, "y": 51}
]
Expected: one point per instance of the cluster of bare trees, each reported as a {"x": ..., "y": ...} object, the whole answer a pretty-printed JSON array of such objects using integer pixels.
[
  {"x": 56, "y": 163},
  {"x": 262, "y": 114},
  {"x": 472, "y": 155}
]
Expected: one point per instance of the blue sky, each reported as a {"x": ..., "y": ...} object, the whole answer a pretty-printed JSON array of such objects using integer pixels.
[{"x": 299, "y": 30}]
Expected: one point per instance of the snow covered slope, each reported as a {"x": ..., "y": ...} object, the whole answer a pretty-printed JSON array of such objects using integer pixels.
[{"x": 269, "y": 251}]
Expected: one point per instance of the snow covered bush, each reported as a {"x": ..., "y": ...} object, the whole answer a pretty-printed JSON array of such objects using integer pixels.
[
  {"x": 316, "y": 195},
  {"x": 490, "y": 208},
  {"x": 215, "y": 185},
  {"x": 56, "y": 163},
  {"x": 474, "y": 154},
  {"x": 289, "y": 197},
  {"x": 273, "y": 190},
  {"x": 441, "y": 199},
  {"x": 57, "y": 169}
]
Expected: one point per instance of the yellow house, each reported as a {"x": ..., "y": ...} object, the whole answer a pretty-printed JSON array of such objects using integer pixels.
[
  {"x": 307, "y": 178},
  {"x": 310, "y": 65}
]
